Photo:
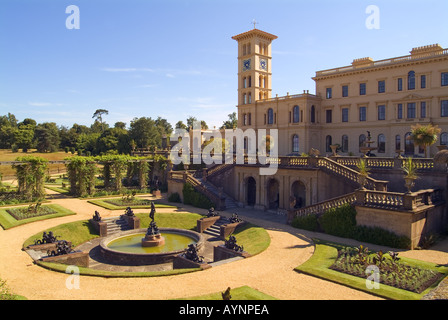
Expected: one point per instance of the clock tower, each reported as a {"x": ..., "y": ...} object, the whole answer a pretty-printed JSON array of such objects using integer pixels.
[{"x": 254, "y": 66}]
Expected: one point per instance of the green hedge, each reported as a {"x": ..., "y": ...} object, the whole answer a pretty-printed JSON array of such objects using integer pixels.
[
  {"x": 194, "y": 198},
  {"x": 341, "y": 222}
]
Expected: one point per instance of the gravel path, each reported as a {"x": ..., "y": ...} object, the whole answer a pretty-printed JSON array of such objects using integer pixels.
[{"x": 270, "y": 272}]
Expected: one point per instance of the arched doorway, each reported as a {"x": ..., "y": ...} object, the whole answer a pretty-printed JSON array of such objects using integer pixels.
[
  {"x": 251, "y": 191},
  {"x": 298, "y": 195},
  {"x": 273, "y": 194}
]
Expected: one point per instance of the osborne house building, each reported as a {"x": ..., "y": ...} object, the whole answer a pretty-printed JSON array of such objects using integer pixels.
[
  {"x": 366, "y": 106},
  {"x": 384, "y": 97}
]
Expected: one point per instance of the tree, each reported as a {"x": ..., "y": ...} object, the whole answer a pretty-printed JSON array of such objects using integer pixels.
[
  {"x": 181, "y": 125},
  {"x": 47, "y": 137},
  {"x": 424, "y": 135},
  {"x": 99, "y": 116},
  {"x": 8, "y": 126},
  {"x": 144, "y": 132},
  {"x": 24, "y": 136},
  {"x": 231, "y": 123}
]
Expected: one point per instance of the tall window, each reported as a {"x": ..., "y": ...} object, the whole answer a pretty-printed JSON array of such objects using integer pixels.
[
  {"x": 382, "y": 112},
  {"x": 408, "y": 144},
  {"x": 345, "y": 91},
  {"x": 328, "y": 143},
  {"x": 296, "y": 114},
  {"x": 362, "y": 141},
  {"x": 381, "y": 143},
  {"x": 397, "y": 142},
  {"x": 270, "y": 116},
  {"x": 411, "y": 110},
  {"x": 411, "y": 80},
  {"x": 295, "y": 143},
  {"x": 249, "y": 98},
  {"x": 345, "y": 115},
  {"x": 400, "y": 111},
  {"x": 328, "y": 116},
  {"x": 381, "y": 86},
  {"x": 313, "y": 114},
  {"x": 400, "y": 84},
  {"x": 444, "y": 139},
  {"x": 423, "y": 81},
  {"x": 250, "y": 81},
  {"x": 362, "y": 89},
  {"x": 362, "y": 113},
  {"x": 423, "y": 109},
  {"x": 244, "y": 119},
  {"x": 444, "y": 108},
  {"x": 328, "y": 93},
  {"x": 444, "y": 79},
  {"x": 344, "y": 146}
]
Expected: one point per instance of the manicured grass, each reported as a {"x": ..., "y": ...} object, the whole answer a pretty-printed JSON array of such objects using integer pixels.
[
  {"x": 114, "y": 274},
  {"x": 325, "y": 255},
  {"x": 253, "y": 239},
  {"x": 110, "y": 206},
  {"x": 240, "y": 293},
  {"x": 7, "y": 221}
]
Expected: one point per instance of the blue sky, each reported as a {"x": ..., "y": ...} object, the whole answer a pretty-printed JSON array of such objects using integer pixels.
[{"x": 176, "y": 58}]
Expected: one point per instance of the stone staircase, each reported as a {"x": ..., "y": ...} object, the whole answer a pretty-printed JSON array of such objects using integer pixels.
[
  {"x": 214, "y": 230},
  {"x": 116, "y": 224},
  {"x": 230, "y": 203}
]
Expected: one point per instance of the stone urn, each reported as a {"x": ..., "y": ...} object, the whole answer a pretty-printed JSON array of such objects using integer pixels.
[{"x": 409, "y": 183}]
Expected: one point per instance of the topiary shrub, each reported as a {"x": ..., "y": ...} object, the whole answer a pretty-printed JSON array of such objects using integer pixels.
[
  {"x": 339, "y": 221},
  {"x": 308, "y": 222}
]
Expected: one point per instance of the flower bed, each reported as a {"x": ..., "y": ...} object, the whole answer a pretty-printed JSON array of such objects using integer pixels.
[
  {"x": 28, "y": 212},
  {"x": 130, "y": 203},
  {"x": 392, "y": 272}
]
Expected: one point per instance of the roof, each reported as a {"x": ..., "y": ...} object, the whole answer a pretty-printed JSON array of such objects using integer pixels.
[{"x": 252, "y": 33}]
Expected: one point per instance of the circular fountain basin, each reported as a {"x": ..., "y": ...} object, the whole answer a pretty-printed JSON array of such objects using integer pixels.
[{"x": 125, "y": 248}]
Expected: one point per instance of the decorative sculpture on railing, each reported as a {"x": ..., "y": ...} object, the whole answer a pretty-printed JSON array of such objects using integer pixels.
[
  {"x": 47, "y": 238},
  {"x": 235, "y": 218},
  {"x": 192, "y": 253},
  {"x": 129, "y": 212},
  {"x": 96, "y": 216},
  {"x": 231, "y": 244},
  {"x": 212, "y": 213},
  {"x": 62, "y": 247}
]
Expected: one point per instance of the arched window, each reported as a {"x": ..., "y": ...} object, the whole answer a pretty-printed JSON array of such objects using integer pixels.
[
  {"x": 295, "y": 143},
  {"x": 411, "y": 80},
  {"x": 362, "y": 141},
  {"x": 295, "y": 114},
  {"x": 408, "y": 144},
  {"x": 444, "y": 139},
  {"x": 328, "y": 143},
  {"x": 344, "y": 146},
  {"x": 270, "y": 116},
  {"x": 397, "y": 142},
  {"x": 313, "y": 114},
  {"x": 381, "y": 143}
]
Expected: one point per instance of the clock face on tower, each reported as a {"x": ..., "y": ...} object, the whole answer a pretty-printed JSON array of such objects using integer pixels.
[
  {"x": 263, "y": 64},
  {"x": 246, "y": 64}
]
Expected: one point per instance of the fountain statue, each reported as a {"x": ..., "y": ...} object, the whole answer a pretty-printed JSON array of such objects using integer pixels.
[
  {"x": 366, "y": 149},
  {"x": 153, "y": 238}
]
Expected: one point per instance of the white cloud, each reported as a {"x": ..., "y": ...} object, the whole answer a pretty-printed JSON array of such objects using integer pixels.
[
  {"x": 45, "y": 104},
  {"x": 127, "y": 69}
]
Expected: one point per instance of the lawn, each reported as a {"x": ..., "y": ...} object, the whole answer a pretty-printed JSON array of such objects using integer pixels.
[
  {"x": 7, "y": 155},
  {"x": 8, "y": 221},
  {"x": 240, "y": 293},
  {"x": 137, "y": 203},
  {"x": 326, "y": 254}
]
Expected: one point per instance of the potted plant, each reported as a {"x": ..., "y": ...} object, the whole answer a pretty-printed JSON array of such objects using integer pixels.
[
  {"x": 410, "y": 171},
  {"x": 363, "y": 172}
]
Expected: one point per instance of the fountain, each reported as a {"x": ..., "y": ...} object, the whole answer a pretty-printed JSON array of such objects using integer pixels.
[
  {"x": 153, "y": 238},
  {"x": 148, "y": 246},
  {"x": 366, "y": 149}
]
